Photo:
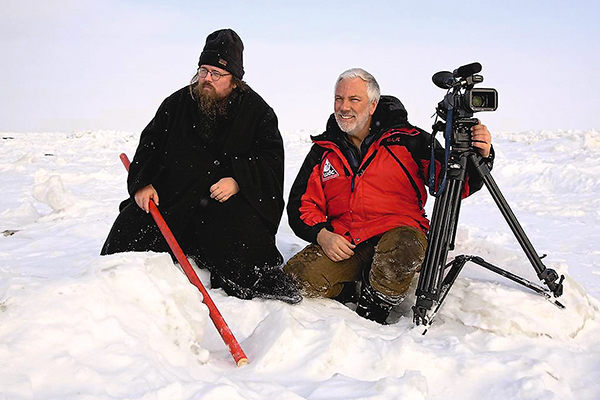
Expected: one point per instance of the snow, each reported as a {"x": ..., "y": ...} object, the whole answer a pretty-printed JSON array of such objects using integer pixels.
[{"x": 74, "y": 325}]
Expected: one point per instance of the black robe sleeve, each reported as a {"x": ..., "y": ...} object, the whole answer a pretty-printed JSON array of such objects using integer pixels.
[
  {"x": 146, "y": 166},
  {"x": 257, "y": 160}
]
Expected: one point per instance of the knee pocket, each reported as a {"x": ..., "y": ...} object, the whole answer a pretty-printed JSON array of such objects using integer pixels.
[
  {"x": 402, "y": 239},
  {"x": 402, "y": 245},
  {"x": 398, "y": 255}
]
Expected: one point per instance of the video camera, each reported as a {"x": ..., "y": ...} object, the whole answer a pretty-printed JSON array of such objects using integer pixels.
[{"x": 461, "y": 102}]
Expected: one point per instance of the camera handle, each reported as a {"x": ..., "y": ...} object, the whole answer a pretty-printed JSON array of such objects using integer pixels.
[{"x": 433, "y": 286}]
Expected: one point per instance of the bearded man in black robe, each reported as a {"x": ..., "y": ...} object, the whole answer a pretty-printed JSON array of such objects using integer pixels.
[{"x": 212, "y": 160}]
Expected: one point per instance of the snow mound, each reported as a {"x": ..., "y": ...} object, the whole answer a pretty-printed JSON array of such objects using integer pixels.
[
  {"x": 119, "y": 309},
  {"x": 504, "y": 310},
  {"x": 50, "y": 191},
  {"x": 75, "y": 325}
]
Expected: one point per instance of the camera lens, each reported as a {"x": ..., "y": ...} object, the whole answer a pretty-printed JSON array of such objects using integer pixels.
[
  {"x": 478, "y": 101},
  {"x": 481, "y": 99}
]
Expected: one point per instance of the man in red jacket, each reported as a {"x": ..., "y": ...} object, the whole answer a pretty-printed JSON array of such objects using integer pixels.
[{"x": 359, "y": 199}]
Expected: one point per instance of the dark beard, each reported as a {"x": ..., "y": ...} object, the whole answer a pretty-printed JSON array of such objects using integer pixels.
[{"x": 212, "y": 109}]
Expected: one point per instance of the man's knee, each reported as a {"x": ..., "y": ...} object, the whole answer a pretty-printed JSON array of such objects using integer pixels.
[
  {"x": 305, "y": 269},
  {"x": 398, "y": 255},
  {"x": 317, "y": 276}
]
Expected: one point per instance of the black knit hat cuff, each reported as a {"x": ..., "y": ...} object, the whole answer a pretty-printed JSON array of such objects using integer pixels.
[
  {"x": 211, "y": 57},
  {"x": 223, "y": 49}
]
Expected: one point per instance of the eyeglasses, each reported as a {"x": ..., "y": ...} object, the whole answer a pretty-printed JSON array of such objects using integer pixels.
[{"x": 215, "y": 75}]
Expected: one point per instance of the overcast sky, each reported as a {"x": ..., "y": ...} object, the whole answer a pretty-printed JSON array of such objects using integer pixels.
[{"x": 88, "y": 65}]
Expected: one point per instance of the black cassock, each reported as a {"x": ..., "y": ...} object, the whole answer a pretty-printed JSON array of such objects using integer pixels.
[{"x": 182, "y": 159}]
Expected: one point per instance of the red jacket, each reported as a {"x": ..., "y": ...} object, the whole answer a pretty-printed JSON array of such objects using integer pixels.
[{"x": 361, "y": 196}]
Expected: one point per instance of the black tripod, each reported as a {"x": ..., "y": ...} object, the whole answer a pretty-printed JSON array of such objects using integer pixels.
[{"x": 434, "y": 283}]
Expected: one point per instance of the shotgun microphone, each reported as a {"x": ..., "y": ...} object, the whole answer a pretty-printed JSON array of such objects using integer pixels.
[{"x": 467, "y": 70}]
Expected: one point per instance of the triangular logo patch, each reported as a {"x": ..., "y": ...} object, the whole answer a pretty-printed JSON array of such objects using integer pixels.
[{"x": 329, "y": 172}]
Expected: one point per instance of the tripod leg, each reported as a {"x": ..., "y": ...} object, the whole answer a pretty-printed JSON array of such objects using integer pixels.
[
  {"x": 433, "y": 287},
  {"x": 455, "y": 267},
  {"x": 441, "y": 237},
  {"x": 515, "y": 278},
  {"x": 548, "y": 276}
]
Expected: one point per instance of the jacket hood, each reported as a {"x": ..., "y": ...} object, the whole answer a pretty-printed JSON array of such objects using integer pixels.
[{"x": 390, "y": 113}]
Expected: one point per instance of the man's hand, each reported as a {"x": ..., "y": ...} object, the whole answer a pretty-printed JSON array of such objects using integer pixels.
[
  {"x": 144, "y": 195},
  {"x": 481, "y": 139},
  {"x": 335, "y": 246},
  {"x": 224, "y": 189}
]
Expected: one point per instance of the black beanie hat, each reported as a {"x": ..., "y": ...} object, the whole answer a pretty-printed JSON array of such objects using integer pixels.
[{"x": 224, "y": 49}]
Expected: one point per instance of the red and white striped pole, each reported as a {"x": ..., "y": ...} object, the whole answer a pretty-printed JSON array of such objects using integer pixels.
[{"x": 234, "y": 347}]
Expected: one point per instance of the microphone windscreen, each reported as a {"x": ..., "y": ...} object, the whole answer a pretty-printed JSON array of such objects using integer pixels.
[{"x": 443, "y": 79}]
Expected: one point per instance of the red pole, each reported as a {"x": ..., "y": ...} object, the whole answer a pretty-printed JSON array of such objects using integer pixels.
[{"x": 234, "y": 347}]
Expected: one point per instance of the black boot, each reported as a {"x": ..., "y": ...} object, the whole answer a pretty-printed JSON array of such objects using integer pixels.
[
  {"x": 273, "y": 284},
  {"x": 277, "y": 285},
  {"x": 349, "y": 293},
  {"x": 372, "y": 304}
]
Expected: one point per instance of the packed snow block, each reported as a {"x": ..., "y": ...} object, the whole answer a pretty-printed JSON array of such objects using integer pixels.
[
  {"x": 505, "y": 310},
  {"x": 50, "y": 191},
  {"x": 147, "y": 290}
]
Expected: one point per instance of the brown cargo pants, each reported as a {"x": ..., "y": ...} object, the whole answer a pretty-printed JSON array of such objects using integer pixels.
[{"x": 393, "y": 259}]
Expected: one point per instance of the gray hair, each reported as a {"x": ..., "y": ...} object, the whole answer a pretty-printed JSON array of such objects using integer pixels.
[{"x": 373, "y": 90}]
